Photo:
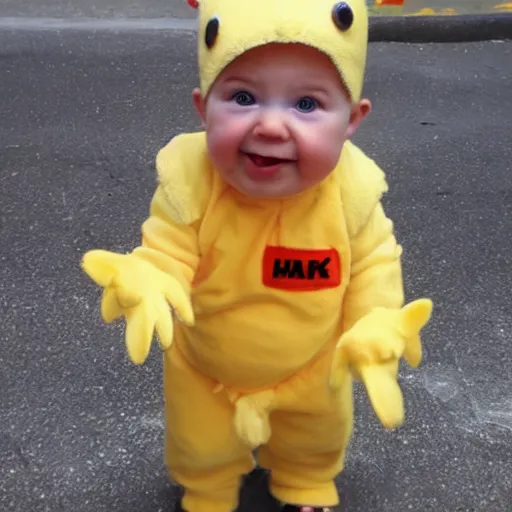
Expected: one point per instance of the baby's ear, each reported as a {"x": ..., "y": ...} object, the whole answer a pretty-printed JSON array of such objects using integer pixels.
[
  {"x": 199, "y": 104},
  {"x": 365, "y": 107},
  {"x": 359, "y": 111}
]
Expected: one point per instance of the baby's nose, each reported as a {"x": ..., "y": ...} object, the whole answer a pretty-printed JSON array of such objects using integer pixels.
[{"x": 272, "y": 124}]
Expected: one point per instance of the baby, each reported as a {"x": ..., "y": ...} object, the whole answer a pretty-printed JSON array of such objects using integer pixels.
[{"x": 267, "y": 238}]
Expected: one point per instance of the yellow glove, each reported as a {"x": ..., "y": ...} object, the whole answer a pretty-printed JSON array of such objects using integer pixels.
[
  {"x": 372, "y": 349},
  {"x": 140, "y": 292}
]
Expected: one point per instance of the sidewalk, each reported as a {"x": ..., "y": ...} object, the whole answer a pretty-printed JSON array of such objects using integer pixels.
[
  {"x": 438, "y": 7},
  {"x": 180, "y": 9}
]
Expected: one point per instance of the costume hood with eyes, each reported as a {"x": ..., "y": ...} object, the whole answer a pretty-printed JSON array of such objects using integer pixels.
[
  {"x": 287, "y": 293},
  {"x": 228, "y": 28}
]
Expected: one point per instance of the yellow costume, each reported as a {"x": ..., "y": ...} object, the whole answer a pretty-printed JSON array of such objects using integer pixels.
[{"x": 281, "y": 301}]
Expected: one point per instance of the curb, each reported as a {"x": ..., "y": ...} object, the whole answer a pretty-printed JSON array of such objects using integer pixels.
[
  {"x": 441, "y": 29},
  {"x": 402, "y": 29}
]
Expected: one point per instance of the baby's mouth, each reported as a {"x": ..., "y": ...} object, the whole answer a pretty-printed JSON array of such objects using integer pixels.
[{"x": 266, "y": 161}]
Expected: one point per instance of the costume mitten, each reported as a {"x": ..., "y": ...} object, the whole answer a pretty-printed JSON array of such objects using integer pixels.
[
  {"x": 372, "y": 349},
  {"x": 140, "y": 292}
]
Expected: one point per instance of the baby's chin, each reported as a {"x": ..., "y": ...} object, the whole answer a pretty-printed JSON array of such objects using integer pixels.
[{"x": 278, "y": 188}]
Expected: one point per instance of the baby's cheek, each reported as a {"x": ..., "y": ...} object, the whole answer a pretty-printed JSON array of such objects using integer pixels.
[
  {"x": 314, "y": 173},
  {"x": 222, "y": 149},
  {"x": 323, "y": 150},
  {"x": 225, "y": 130}
]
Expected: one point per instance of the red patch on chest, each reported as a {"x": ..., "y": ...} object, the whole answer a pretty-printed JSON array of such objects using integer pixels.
[{"x": 301, "y": 269}]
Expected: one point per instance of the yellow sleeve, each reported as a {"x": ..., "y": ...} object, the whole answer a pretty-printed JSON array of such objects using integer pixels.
[
  {"x": 170, "y": 246},
  {"x": 376, "y": 271},
  {"x": 169, "y": 235}
]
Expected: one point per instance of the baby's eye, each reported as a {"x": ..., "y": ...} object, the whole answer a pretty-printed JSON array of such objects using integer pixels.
[
  {"x": 306, "y": 105},
  {"x": 243, "y": 98}
]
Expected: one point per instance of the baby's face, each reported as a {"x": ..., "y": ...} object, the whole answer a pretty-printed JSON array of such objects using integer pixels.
[{"x": 276, "y": 120}]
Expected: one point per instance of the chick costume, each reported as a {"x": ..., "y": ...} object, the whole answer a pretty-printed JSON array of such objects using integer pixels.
[{"x": 278, "y": 303}]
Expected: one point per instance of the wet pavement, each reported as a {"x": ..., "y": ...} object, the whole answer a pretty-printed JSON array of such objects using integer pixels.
[{"x": 82, "y": 114}]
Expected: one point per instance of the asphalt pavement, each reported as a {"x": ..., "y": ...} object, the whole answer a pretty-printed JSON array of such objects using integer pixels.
[
  {"x": 82, "y": 114},
  {"x": 99, "y": 8},
  {"x": 180, "y": 8}
]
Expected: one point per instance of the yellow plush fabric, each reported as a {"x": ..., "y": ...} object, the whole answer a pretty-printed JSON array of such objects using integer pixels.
[
  {"x": 137, "y": 290},
  {"x": 310, "y": 432},
  {"x": 243, "y": 25},
  {"x": 374, "y": 346},
  {"x": 281, "y": 301},
  {"x": 228, "y": 294}
]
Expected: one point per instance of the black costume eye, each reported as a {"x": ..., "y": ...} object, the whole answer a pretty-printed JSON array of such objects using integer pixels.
[
  {"x": 342, "y": 16},
  {"x": 212, "y": 31}
]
